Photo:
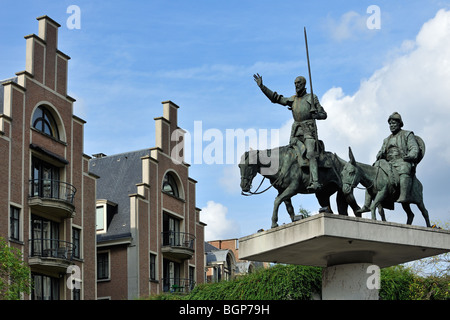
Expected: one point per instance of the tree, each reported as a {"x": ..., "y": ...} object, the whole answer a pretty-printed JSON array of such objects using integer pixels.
[
  {"x": 435, "y": 266},
  {"x": 304, "y": 212},
  {"x": 14, "y": 273}
]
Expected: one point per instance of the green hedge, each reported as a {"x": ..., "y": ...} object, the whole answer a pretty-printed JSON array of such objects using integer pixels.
[
  {"x": 400, "y": 283},
  {"x": 281, "y": 282},
  {"x": 291, "y": 282}
]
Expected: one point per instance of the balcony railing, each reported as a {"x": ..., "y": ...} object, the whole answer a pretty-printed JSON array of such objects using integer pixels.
[
  {"x": 178, "y": 239},
  {"x": 52, "y": 189},
  {"x": 178, "y": 285},
  {"x": 51, "y": 248}
]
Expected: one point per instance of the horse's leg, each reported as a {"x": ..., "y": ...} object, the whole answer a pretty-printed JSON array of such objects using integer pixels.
[
  {"x": 276, "y": 205},
  {"x": 417, "y": 191},
  {"x": 379, "y": 197},
  {"x": 381, "y": 212},
  {"x": 286, "y": 194},
  {"x": 290, "y": 208},
  {"x": 409, "y": 213},
  {"x": 350, "y": 199},
  {"x": 424, "y": 211},
  {"x": 341, "y": 203},
  {"x": 324, "y": 201}
]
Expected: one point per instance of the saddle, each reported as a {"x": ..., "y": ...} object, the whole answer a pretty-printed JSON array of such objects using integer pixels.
[
  {"x": 323, "y": 160},
  {"x": 391, "y": 173}
]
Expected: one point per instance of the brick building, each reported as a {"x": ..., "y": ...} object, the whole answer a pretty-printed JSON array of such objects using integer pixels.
[
  {"x": 47, "y": 195},
  {"x": 223, "y": 261},
  {"x": 149, "y": 236}
]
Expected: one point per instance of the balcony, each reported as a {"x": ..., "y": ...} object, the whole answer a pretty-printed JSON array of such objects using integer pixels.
[
  {"x": 178, "y": 245},
  {"x": 51, "y": 254},
  {"x": 178, "y": 285},
  {"x": 52, "y": 196}
]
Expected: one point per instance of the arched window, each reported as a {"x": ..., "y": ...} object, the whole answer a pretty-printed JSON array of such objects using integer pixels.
[
  {"x": 170, "y": 185},
  {"x": 44, "y": 121}
]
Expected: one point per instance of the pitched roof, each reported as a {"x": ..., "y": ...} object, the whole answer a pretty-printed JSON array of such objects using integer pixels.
[{"x": 119, "y": 175}]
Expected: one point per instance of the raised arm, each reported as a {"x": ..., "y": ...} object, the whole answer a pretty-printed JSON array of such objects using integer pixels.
[{"x": 273, "y": 96}]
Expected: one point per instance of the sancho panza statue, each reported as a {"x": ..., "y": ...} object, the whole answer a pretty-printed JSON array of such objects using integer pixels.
[
  {"x": 402, "y": 151},
  {"x": 304, "y": 129}
]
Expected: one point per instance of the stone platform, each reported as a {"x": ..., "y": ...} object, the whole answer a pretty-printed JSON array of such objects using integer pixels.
[
  {"x": 329, "y": 239},
  {"x": 344, "y": 244}
]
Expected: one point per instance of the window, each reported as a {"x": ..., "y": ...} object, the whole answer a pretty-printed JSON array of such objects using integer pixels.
[
  {"x": 171, "y": 231},
  {"x": 44, "y": 122},
  {"x": 100, "y": 218},
  {"x": 171, "y": 279},
  {"x": 170, "y": 185},
  {"x": 104, "y": 212},
  {"x": 76, "y": 242},
  {"x": 191, "y": 278},
  {"x": 45, "y": 288},
  {"x": 103, "y": 266},
  {"x": 44, "y": 237},
  {"x": 45, "y": 179},
  {"x": 76, "y": 294},
  {"x": 152, "y": 267},
  {"x": 14, "y": 223}
]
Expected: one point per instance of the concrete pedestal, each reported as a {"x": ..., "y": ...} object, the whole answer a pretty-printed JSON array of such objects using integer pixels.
[
  {"x": 352, "y": 281},
  {"x": 350, "y": 249}
]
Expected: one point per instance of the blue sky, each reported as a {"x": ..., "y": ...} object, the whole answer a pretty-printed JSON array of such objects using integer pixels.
[{"x": 128, "y": 56}]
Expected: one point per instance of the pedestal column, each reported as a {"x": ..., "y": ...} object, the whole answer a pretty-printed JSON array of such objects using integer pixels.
[{"x": 352, "y": 281}]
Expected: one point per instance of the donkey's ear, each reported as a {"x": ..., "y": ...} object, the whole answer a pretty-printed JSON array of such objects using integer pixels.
[{"x": 350, "y": 155}]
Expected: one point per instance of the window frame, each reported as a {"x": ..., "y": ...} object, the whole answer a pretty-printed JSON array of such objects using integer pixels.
[
  {"x": 14, "y": 223},
  {"x": 170, "y": 185},
  {"x": 44, "y": 122},
  {"x": 53, "y": 289},
  {"x": 153, "y": 264},
  {"x": 102, "y": 219},
  {"x": 106, "y": 275},
  {"x": 76, "y": 242}
]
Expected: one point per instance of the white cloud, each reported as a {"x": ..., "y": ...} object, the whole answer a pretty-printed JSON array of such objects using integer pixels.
[
  {"x": 414, "y": 84},
  {"x": 218, "y": 224},
  {"x": 349, "y": 26}
]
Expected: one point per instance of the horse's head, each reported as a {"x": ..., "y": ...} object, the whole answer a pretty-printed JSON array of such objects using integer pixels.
[
  {"x": 350, "y": 175},
  {"x": 249, "y": 169}
]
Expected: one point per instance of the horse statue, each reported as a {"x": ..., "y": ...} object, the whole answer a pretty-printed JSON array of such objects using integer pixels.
[
  {"x": 292, "y": 178},
  {"x": 378, "y": 181}
]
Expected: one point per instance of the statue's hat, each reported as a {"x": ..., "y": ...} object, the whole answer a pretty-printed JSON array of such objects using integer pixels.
[{"x": 396, "y": 116}]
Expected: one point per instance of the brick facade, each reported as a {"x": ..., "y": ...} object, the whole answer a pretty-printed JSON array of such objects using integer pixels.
[
  {"x": 154, "y": 235},
  {"x": 41, "y": 143}
]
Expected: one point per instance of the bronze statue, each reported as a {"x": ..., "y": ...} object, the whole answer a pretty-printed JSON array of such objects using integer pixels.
[
  {"x": 291, "y": 179},
  {"x": 402, "y": 151},
  {"x": 306, "y": 111},
  {"x": 392, "y": 178}
]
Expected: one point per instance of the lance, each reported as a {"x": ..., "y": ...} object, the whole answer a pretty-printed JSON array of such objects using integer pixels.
[{"x": 313, "y": 103}]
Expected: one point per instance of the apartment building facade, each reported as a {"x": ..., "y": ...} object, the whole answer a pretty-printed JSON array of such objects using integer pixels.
[
  {"x": 47, "y": 196},
  {"x": 149, "y": 235}
]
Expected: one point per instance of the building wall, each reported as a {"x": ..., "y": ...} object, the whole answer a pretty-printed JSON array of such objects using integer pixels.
[
  {"x": 147, "y": 205},
  {"x": 156, "y": 203},
  {"x": 115, "y": 288},
  {"x": 44, "y": 82}
]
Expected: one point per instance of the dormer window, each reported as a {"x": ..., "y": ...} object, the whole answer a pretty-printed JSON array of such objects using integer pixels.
[
  {"x": 170, "y": 185},
  {"x": 44, "y": 122}
]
